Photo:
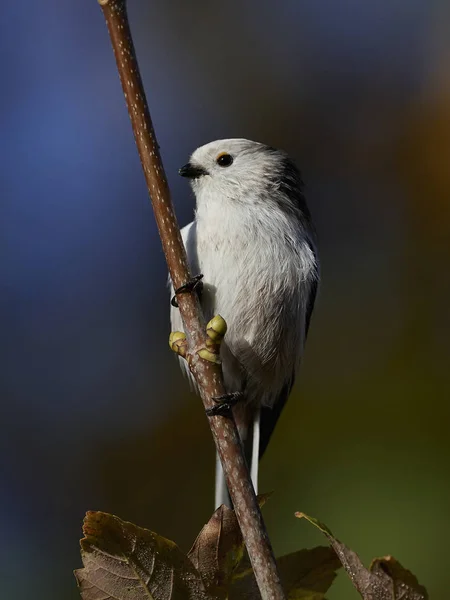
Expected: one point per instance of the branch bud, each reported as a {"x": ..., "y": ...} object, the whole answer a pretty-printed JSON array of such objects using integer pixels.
[{"x": 178, "y": 343}]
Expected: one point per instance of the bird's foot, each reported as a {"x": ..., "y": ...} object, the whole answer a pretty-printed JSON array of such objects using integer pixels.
[
  {"x": 189, "y": 286},
  {"x": 223, "y": 404}
]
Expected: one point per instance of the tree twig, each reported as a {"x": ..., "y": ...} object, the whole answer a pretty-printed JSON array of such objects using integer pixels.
[{"x": 207, "y": 374}]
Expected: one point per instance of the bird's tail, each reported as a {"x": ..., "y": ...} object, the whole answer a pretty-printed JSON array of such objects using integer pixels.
[{"x": 250, "y": 436}]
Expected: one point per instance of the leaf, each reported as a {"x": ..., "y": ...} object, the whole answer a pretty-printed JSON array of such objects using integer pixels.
[
  {"x": 404, "y": 582},
  {"x": 306, "y": 575},
  {"x": 308, "y": 570},
  {"x": 262, "y": 498},
  {"x": 386, "y": 579},
  {"x": 125, "y": 562},
  {"x": 218, "y": 550},
  {"x": 219, "y": 555}
]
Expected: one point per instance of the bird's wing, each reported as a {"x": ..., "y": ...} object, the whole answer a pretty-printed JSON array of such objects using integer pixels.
[
  {"x": 270, "y": 415},
  {"x": 310, "y": 304},
  {"x": 189, "y": 235},
  {"x": 256, "y": 423}
]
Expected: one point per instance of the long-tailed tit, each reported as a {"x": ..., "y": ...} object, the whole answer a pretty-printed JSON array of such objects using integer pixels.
[{"x": 253, "y": 240}]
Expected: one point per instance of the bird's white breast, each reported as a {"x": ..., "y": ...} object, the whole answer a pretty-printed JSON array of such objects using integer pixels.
[{"x": 257, "y": 268}]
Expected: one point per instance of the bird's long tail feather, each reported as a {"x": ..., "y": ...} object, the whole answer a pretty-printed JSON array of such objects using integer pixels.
[{"x": 251, "y": 451}]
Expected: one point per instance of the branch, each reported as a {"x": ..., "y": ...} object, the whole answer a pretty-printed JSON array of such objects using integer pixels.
[{"x": 208, "y": 375}]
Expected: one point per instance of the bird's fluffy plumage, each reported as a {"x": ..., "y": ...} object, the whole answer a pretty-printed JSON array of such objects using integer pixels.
[{"x": 253, "y": 240}]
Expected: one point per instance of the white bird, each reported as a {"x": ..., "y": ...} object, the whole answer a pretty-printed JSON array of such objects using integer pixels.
[{"x": 253, "y": 240}]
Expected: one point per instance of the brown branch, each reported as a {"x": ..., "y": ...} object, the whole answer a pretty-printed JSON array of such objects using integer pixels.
[{"x": 207, "y": 374}]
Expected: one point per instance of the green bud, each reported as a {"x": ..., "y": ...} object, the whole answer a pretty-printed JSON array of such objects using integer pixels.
[
  {"x": 177, "y": 342},
  {"x": 216, "y": 329},
  {"x": 208, "y": 355}
]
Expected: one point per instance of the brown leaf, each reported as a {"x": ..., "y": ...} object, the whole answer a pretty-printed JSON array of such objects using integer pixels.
[
  {"x": 386, "y": 579},
  {"x": 217, "y": 551},
  {"x": 306, "y": 575},
  {"x": 262, "y": 498},
  {"x": 125, "y": 562},
  {"x": 405, "y": 584},
  {"x": 219, "y": 548}
]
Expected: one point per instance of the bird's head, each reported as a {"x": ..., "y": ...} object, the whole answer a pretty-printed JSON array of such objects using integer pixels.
[{"x": 245, "y": 172}]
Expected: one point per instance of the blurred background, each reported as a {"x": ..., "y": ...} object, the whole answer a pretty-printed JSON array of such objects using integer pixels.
[{"x": 95, "y": 413}]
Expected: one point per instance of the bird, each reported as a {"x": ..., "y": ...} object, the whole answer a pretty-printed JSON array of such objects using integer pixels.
[{"x": 254, "y": 242}]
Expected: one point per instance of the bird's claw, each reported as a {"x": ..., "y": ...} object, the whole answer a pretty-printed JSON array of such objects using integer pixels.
[
  {"x": 223, "y": 404},
  {"x": 189, "y": 286}
]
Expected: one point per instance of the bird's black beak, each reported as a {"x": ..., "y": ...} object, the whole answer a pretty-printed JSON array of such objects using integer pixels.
[{"x": 192, "y": 171}]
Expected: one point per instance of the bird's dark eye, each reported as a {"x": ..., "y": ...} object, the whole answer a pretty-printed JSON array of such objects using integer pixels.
[{"x": 224, "y": 159}]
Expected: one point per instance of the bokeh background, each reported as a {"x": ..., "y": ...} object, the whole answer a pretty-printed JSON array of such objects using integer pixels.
[{"x": 95, "y": 414}]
